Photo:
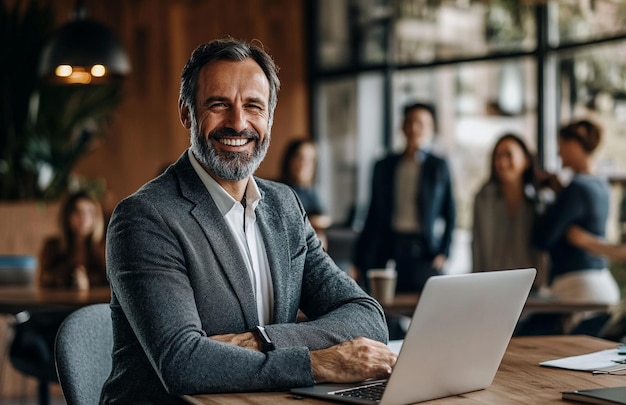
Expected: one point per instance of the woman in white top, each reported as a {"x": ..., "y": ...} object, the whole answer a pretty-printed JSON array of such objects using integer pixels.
[{"x": 504, "y": 212}]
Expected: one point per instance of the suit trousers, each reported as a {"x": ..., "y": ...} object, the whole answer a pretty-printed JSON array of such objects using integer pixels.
[{"x": 413, "y": 262}]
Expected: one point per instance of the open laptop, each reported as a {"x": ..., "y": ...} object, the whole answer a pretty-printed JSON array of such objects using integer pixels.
[{"x": 459, "y": 332}]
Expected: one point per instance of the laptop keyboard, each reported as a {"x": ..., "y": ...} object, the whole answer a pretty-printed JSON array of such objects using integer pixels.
[{"x": 372, "y": 392}]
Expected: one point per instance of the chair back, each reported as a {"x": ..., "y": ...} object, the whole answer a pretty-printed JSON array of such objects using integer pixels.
[
  {"x": 82, "y": 353},
  {"x": 17, "y": 269}
]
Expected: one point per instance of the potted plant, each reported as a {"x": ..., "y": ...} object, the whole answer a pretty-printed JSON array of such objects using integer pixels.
[{"x": 44, "y": 129}]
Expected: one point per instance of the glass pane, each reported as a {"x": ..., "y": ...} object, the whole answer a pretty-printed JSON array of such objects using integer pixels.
[
  {"x": 365, "y": 33},
  {"x": 333, "y": 42},
  {"x": 593, "y": 86},
  {"x": 425, "y": 31},
  {"x": 476, "y": 104},
  {"x": 350, "y": 139},
  {"x": 586, "y": 20}
]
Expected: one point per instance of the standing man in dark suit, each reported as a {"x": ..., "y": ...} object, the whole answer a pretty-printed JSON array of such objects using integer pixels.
[
  {"x": 412, "y": 211},
  {"x": 210, "y": 265}
]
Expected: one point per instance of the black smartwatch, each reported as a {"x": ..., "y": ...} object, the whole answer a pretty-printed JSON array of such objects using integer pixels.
[{"x": 266, "y": 343}]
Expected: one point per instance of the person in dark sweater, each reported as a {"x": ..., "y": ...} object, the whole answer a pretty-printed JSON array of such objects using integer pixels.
[{"x": 576, "y": 273}]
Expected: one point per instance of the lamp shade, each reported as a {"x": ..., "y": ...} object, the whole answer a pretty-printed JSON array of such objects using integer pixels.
[{"x": 83, "y": 51}]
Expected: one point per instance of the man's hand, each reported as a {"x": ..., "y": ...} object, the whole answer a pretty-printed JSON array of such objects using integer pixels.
[
  {"x": 247, "y": 340},
  {"x": 355, "y": 360}
]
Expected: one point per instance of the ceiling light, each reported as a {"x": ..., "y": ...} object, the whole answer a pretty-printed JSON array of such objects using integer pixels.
[{"x": 83, "y": 51}]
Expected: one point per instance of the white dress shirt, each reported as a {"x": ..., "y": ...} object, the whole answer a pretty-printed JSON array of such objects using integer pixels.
[
  {"x": 405, "y": 218},
  {"x": 242, "y": 223}
]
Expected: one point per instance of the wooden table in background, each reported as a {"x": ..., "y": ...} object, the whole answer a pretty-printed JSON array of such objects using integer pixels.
[
  {"x": 520, "y": 379},
  {"x": 15, "y": 299},
  {"x": 404, "y": 304}
]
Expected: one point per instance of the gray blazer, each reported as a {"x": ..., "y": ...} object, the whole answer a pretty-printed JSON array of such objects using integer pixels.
[{"x": 177, "y": 277}]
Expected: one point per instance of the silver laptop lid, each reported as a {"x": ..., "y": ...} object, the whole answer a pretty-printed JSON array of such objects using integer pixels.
[{"x": 458, "y": 335}]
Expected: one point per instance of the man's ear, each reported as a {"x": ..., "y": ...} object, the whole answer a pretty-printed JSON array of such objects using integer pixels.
[{"x": 183, "y": 114}]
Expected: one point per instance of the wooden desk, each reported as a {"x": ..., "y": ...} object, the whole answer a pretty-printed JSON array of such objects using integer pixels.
[
  {"x": 404, "y": 304},
  {"x": 520, "y": 380},
  {"x": 30, "y": 298}
]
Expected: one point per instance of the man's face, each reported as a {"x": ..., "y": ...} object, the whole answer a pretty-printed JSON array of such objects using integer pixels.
[
  {"x": 230, "y": 127},
  {"x": 418, "y": 128}
]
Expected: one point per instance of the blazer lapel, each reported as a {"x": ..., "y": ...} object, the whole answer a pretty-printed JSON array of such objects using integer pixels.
[
  {"x": 274, "y": 233},
  {"x": 219, "y": 237}
]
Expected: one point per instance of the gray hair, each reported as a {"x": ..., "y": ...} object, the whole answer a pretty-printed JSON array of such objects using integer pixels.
[{"x": 233, "y": 50}]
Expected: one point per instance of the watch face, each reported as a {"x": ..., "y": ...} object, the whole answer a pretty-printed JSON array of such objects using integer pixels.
[{"x": 266, "y": 342}]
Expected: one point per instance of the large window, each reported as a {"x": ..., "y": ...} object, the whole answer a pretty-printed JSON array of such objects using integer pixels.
[{"x": 490, "y": 67}]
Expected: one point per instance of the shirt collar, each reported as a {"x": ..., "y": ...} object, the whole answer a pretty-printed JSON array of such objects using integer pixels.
[{"x": 223, "y": 200}]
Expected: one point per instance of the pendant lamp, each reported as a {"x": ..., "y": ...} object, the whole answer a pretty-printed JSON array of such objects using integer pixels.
[{"x": 83, "y": 52}]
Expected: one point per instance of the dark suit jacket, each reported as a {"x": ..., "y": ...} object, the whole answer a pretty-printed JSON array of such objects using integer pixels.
[
  {"x": 434, "y": 200},
  {"x": 177, "y": 277}
]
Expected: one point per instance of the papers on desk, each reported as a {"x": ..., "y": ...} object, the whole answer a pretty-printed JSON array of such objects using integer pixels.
[
  {"x": 600, "y": 362},
  {"x": 395, "y": 345}
]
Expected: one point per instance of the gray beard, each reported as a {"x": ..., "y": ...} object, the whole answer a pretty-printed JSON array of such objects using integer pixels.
[{"x": 232, "y": 166}]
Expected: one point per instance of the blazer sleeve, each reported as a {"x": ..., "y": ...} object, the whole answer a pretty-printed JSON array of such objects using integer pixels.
[
  {"x": 372, "y": 248},
  {"x": 337, "y": 309},
  {"x": 448, "y": 210}
]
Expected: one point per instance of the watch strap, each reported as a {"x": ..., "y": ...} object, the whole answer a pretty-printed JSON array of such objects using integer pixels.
[{"x": 266, "y": 343}]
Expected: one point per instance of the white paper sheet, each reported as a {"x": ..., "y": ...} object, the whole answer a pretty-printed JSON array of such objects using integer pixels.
[
  {"x": 604, "y": 360},
  {"x": 395, "y": 345}
]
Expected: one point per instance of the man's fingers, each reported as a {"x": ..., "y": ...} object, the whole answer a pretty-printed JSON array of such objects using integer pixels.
[{"x": 355, "y": 360}]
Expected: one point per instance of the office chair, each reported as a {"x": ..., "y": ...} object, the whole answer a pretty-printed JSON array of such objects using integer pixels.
[{"x": 83, "y": 353}]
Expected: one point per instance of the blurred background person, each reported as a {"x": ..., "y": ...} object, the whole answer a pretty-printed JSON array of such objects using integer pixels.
[
  {"x": 411, "y": 195},
  {"x": 75, "y": 258},
  {"x": 298, "y": 170},
  {"x": 575, "y": 273},
  {"x": 505, "y": 211},
  {"x": 72, "y": 260}
]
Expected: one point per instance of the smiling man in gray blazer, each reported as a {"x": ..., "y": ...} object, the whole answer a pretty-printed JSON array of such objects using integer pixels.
[{"x": 209, "y": 265}]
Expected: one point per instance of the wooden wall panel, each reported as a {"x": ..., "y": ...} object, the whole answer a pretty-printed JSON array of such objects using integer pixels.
[{"x": 159, "y": 36}]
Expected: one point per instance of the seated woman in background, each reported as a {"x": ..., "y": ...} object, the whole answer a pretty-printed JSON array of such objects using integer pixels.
[
  {"x": 75, "y": 258},
  {"x": 504, "y": 212},
  {"x": 577, "y": 274},
  {"x": 298, "y": 170}
]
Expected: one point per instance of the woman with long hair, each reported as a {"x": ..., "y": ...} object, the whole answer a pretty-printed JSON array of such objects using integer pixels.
[
  {"x": 505, "y": 210},
  {"x": 75, "y": 258}
]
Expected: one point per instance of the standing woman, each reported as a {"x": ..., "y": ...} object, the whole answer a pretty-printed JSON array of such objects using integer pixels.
[
  {"x": 577, "y": 274},
  {"x": 504, "y": 212},
  {"x": 75, "y": 258}
]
